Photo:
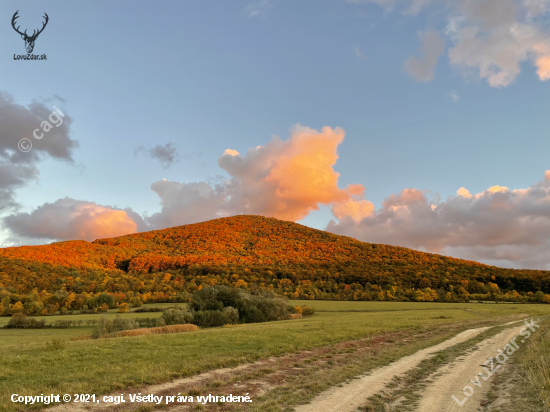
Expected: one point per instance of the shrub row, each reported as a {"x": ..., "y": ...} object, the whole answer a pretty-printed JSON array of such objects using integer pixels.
[{"x": 21, "y": 321}]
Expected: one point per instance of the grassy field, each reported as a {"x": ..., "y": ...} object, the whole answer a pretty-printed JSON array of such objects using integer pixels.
[
  {"x": 104, "y": 365},
  {"x": 31, "y": 337}
]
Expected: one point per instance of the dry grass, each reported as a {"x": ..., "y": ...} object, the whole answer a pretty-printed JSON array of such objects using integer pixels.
[
  {"x": 145, "y": 331},
  {"x": 535, "y": 363},
  {"x": 153, "y": 331},
  {"x": 296, "y": 316}
]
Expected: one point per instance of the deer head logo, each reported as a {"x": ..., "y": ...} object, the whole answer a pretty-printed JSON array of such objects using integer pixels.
[{"x": 29, "y": 40}]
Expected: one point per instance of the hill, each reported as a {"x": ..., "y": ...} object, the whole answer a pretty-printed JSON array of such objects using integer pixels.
[{"x": 255, "y": 253}]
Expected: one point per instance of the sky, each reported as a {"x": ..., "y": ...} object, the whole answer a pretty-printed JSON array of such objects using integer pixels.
[{"x": 417, "y": 123}]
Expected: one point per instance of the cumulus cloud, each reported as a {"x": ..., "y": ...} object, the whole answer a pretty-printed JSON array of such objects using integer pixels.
[
  {"x": 166, "y": 154},
  {"x": 359, "y": 53},
  {"x": 184, "y": 203},
  {"x": 489, "y": 39},
  {"x": 414, "y": 5},
  {"x": 454, "y": 96},
  {"x": 257, "y": 8},
  {"x": 285, "y": 179},
  {"x": 503, "y": 226},
  {"x": 422, "y": 69},
  {"x": 386, "y": 3},
  {"x": 67, "y": 219},
  {"x": 16, "y": 167}
]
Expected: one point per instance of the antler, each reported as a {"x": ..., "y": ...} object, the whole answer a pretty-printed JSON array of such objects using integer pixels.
[
  {"x": 43, "y": 27},
  {"x": 15, "y": 17}
]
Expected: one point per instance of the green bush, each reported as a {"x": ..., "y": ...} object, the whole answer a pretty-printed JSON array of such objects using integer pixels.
[
  {"x": 251, "y": 308},
  {"x": 56, "y": 344},
  {"x": 307, "y": 311},
  {"x": 210, "y": 318},
  {"x": 177, "y": 317},
  {"x": 17, "y": 321},
  {"x": 231, "y": 314}
]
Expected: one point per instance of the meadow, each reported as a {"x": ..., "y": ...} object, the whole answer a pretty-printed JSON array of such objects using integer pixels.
[{"x": 103, "y": 365}]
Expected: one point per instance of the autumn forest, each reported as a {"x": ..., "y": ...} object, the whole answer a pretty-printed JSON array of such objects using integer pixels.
[{"x": 253, "y": 253}]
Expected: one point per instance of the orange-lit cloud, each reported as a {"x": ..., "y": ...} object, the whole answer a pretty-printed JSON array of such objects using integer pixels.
[
  {"x": 231, "y": 152},
  {"x": 71, "y": 219},
  {"x": 286, "y": 179},
  {"x": 357, "y": 210},
  {"x": 463, "y": 192},
  {"x": 543, "y": 61},
  {"x": 497, "y": 189}
]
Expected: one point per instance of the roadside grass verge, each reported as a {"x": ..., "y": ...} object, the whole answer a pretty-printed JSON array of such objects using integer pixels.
[{"x": 532, "y": 367}]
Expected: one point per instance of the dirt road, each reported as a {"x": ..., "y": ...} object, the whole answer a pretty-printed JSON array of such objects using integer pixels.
[
  {"x": 350, "y": 396},
  {"x": 464, "y": 373}
]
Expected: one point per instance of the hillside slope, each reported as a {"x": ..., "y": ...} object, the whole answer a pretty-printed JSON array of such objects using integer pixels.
[{"x": 263, "y": 254}]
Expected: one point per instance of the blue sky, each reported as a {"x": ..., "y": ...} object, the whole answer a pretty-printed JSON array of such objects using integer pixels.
[{"x": 215, "y": 75}]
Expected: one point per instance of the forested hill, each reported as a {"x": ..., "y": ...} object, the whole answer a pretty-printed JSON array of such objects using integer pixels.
[{"x": 257, "y": 253}]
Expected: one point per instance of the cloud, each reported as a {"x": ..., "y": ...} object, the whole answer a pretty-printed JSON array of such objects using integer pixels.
[
  {"x": 17, "y": 168},
  {"x": 416, "y": 6},
  {"x": 506, "y": 227},
  {"x": 359, "y": 53},
  {"x": 184, "y": 203},
  {"x": 167, "y": 154},
  {"x": 422, "y": 69},
  {"x": 385, "y": 3},
  {"x": 285, "y": 179},
  {"x": 68, "y": 218},
  {"x": 492, "y": 38},
  {"x": 454, "y": 96},
  {"x": 258, "y": 8},
  {"x": 489, "y": 39}
]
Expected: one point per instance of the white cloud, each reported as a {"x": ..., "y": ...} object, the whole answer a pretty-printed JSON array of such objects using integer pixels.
[
  {"x": 359, "y": 53},
  {"x": 422, "y": 68},
  {"x": 258, "y": 8},
  {"x": 454, "y": 96},
  {"x": 489, "y": 39}
]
